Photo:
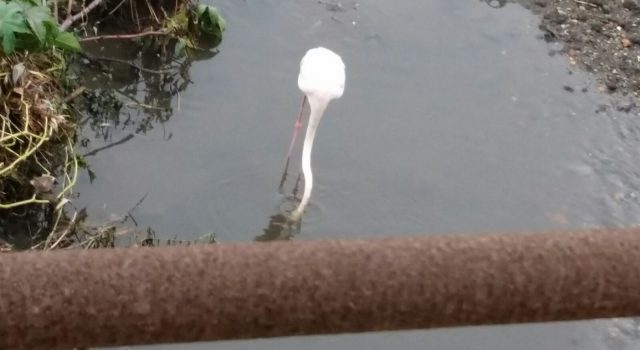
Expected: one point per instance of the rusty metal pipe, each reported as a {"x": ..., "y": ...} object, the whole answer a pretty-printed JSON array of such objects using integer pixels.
[{"x": 114, "y": 297}]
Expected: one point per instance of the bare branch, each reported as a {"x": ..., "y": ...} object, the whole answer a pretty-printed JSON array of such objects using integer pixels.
[
  {"x": 69, "y": 5},
  {"x": 70, "y": 19},
  {"x": 124, "y": 36}
]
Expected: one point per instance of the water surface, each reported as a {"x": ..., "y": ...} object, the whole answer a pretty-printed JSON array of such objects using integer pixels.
[{"x": 455, "y": 118}]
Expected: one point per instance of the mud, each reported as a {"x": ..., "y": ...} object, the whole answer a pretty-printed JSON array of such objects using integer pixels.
[{"x": 599, "y": 36}]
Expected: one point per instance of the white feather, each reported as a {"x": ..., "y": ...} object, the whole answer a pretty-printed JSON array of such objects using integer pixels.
[{"x": 321, "y": 79}]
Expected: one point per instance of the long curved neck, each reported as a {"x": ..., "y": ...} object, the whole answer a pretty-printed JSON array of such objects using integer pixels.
[{"x": 317, "y": 108}]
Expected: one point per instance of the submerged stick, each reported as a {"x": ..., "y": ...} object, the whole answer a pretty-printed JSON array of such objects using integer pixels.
[{"x": 65, "y": 299}]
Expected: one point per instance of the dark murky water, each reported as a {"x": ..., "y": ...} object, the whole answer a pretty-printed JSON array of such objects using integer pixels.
[{"x": 455, "y": 118}]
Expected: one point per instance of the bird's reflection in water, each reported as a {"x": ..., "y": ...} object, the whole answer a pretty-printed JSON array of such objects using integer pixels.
[
  {"x": 321, "y": 79},
  {"x": 281, "y": 226}
]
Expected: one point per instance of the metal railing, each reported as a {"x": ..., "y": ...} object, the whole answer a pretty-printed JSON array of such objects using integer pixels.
[{"x": 110, "y": 297}]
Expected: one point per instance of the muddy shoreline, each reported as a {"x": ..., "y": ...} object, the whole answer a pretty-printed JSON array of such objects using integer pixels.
[{"x": 601, "y": 37}]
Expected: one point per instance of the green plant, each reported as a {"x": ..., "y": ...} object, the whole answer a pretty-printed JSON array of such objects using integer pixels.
[
  {"x": 210, "y": 21},
  {"x": 196, "y": 28},
  {"x": 24, "y": 25}
]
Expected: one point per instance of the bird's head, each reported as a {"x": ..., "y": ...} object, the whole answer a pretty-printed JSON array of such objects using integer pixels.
[{"x": 322, "y": 74}]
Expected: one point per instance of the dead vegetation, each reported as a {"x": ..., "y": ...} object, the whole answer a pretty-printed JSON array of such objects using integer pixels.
[
  {"x": 36, "y": 130},
  {"x": 38, "y": 165},
  {"x": 41, "y": 107}
]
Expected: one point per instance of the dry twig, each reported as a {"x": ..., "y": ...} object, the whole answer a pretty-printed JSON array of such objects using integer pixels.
[
  {"x": 124, "y": 36},
  {"x": 70, "y": 19}
]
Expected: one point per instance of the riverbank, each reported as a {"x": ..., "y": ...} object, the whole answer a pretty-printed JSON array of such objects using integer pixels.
[
  {"x": 599, "y": 36},
  {"x": 47, "y": 53}
]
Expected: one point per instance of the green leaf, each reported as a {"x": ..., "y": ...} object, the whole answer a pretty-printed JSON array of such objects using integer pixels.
[
  {"x": 67, "y": 41},
  {"x": 51, "y": 28},
  {"x": 11, "y": 22},
  {"x": 211, "y": 20},
  {"x": 201, "y": 9},
  {"x": 11, "y": 18},
  {"x": 8, "y": 42},
  {"x": 216, "y": 17},
  {"x": 32, "y": 2},
  {"x": 36, "y": 17}
]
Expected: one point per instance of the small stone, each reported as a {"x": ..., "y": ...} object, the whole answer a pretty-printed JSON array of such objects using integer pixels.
[
  {"x": 44, "y": 183},
  {"x": 596, "y": 25},
  {"x": 611, "y": 82},
  {"x": 635, "y": 39}
]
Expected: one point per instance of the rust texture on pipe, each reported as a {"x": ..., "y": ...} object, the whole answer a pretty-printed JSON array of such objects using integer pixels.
[{"x": 63, "y": 299}]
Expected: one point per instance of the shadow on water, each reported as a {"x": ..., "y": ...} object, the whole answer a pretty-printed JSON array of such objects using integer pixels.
[
  {"x": 281, "y": 226},
  {"x": 132, "y": 91},
  {"x": 128, "y": 91}
]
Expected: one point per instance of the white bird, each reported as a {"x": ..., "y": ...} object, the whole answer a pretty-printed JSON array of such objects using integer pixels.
[{"x": 321, "y": 79}]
